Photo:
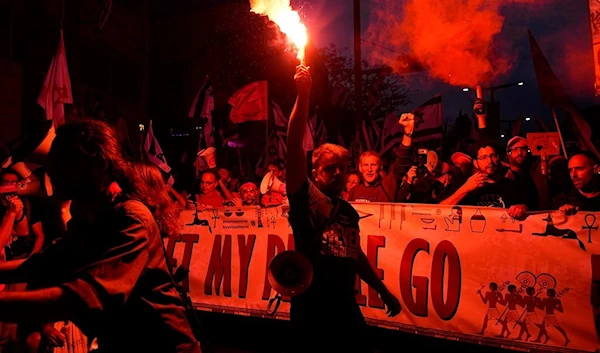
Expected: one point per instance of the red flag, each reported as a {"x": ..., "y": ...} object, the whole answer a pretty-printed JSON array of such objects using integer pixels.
[
  {"x": 57, "y": 86},
  {"x": 428, "y": 120},
  {"x": 250, "y": 103},
  {"x": 554, "y": 94},
  {"x": 552, "y": 91}
]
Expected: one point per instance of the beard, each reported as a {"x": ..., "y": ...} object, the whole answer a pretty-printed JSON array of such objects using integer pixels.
[
  {"x": 249, "y": 202},
  {"x": 518, "y": 161}
]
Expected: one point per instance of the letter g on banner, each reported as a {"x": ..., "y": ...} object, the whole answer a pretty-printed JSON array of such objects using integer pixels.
[{"x": 445, "y": 253}]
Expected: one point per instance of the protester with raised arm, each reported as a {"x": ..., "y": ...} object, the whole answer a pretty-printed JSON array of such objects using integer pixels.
[{"x": 326, "y": 318}]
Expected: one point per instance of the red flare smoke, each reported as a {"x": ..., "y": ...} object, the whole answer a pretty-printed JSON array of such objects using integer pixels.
[{"x": 452, "y": 38}]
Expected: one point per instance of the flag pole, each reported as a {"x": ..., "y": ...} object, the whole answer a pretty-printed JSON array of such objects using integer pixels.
[
  {"x": 62, "y": 13},
  {"x": 562, "y": 142},
  {"x": 357, "y": 65},
  {"x": 142, "y": 141},
  {"x": 239, "y": 153}
]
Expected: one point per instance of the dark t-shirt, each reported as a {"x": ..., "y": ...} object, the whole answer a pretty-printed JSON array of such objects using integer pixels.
[
  {"x": 525, "y": 185},
  {"x": 327, "y": 232},
  {"x": 575, "y": 198},
  {"x": 114, "y": 272},
  {"x": 501, "y": 194},
  {"x": 44, "y": 210},
  {"x": 373, "y": 193}
]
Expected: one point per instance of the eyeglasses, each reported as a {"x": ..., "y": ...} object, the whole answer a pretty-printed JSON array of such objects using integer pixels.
[
  {"x": 520, "y": 148},
  {"x": 491, "y": 156}
]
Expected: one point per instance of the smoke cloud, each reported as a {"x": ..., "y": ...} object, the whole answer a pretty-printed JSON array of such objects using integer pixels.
[{"x": 453, "y": 39}]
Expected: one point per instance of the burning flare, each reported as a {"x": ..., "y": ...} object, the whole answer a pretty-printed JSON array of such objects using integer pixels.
[{"x": 288, "y": 20}]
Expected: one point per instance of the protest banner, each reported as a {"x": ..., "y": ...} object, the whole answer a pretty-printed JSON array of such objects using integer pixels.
[{"x": 466, "y": 273}]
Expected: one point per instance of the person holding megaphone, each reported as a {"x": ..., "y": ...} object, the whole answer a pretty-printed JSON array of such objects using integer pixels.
[
  {"x": 326, "y": 317},
  {"x": 272, "y": 186}
]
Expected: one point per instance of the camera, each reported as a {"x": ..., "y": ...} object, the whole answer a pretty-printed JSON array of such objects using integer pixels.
[{"x": 422, "y": 170}]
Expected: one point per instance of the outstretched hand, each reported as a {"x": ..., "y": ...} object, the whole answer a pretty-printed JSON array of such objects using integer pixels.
[{"x": 303, "y": 80}]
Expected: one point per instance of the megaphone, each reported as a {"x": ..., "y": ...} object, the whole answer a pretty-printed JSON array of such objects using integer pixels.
[
  {"x": 210, "y": 156},
  {"x": 29, "y": 187},
  {"x": 271, "y": 182},
  {"x": 290, "y": 273},
  {"x": 37, "y": 185},
  {"x": 33, "y": 148}
]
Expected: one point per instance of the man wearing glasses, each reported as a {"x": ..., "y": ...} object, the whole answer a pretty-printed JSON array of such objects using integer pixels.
[
  {"x": 488, "y": 186},
  {"x": 529, "y": 182}
]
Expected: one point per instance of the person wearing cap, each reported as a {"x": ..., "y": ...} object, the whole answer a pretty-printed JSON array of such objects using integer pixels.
[
  {"x": 460, "y": 171},
  {"x": 463, "y": 162},
  {"x": 529, "y": 182}
]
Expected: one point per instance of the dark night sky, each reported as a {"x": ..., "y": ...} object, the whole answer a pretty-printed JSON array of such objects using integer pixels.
[{"x": 561, "y": 27}]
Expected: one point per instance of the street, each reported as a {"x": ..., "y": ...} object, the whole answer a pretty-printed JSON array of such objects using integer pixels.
[{"x": 240, "y": 334}]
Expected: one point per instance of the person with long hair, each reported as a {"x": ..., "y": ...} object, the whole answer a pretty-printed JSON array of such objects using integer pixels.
[
  {"x": 157, "y": 197},
  {"x": 108, "y": 274}
]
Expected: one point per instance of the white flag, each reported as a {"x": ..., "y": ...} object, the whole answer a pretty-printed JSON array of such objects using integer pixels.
[{"x": 56, "y": 90}]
